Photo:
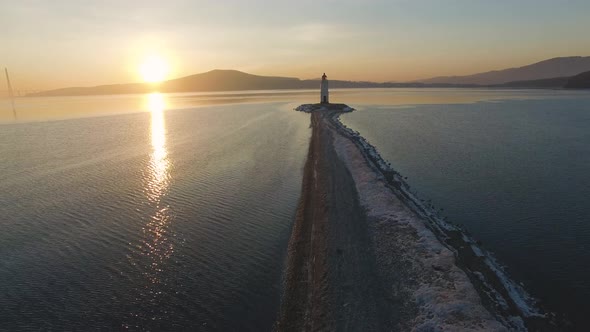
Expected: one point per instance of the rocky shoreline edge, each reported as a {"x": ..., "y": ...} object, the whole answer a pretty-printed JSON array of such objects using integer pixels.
[{"x": 367, "y": 254}]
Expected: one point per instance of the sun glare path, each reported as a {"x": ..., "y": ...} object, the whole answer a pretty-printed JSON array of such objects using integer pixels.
[
  {"x": 157, "y": 244},
  {"x": 159, "y": 163}
]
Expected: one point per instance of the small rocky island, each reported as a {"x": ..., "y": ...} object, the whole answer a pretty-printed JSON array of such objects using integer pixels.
[
  {"x": 366, "y": 255},
  {"x": 321, "y": 107}
]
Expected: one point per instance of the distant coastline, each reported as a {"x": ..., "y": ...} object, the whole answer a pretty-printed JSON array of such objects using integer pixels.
[
  {"x": 557, "y": 73},
  {"x": 138, "y": 88}
]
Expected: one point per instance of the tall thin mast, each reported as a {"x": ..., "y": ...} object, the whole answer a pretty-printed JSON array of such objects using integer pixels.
[{"x": 10, "y": 93}]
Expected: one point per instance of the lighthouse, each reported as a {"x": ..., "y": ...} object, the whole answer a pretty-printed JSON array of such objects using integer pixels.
[{"x": 324, "y": 97}]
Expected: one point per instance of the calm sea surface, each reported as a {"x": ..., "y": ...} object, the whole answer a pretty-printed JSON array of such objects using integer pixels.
[
  {"x": 174, "y": 211},
  {"x": 513, "y": 169},
  {"x": 160, "y": 220}
]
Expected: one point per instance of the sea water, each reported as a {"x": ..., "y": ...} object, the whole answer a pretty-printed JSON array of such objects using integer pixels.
[
  {"x": 173, "y": 211},
  {"x": 172, "y": 217},
  {"x": 511, "y": 168}
]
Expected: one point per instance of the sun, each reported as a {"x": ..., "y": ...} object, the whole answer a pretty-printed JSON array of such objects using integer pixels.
[{"x": 153, "y": 69}]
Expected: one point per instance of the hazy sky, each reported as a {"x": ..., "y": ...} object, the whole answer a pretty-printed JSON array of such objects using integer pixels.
[{"x": 47, "y": 44}]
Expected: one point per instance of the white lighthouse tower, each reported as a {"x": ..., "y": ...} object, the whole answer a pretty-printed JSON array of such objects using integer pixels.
[{"x": 324, "y": 96}]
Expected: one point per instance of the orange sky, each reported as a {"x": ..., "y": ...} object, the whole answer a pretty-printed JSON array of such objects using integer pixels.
[{"x": 72, "y": 43}]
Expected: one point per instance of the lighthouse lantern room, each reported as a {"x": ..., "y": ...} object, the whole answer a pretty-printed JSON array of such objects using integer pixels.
[{"x": 324, "y": 98}]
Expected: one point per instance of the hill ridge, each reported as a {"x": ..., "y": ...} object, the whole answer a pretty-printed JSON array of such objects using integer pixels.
[
  {"x": 549, "y": 68},
  {"x": 550, "y": 73}
]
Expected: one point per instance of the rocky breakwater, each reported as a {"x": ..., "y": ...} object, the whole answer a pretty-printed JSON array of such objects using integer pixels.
[{"x": 366, "y": 255}]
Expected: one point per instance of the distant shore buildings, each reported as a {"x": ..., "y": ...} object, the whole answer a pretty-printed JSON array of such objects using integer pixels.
[{"x": 324, "y": 94}]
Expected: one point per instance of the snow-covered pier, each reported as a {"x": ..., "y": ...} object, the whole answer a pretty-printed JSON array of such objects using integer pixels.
[{"x": 367, "y": 254}]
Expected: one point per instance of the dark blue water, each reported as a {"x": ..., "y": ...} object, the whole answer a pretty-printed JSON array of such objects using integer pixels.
[
  {"x": 162, "y": 220},
  {"x": 515, "y": 173},
  {"x": 178, "y": 217}
]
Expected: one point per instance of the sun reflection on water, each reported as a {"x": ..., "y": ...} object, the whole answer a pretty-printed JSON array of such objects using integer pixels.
[
  {"x": 157, "y": 244},
  {"x": 157, "y": 241},
  {"x": 159, "y": 162}
]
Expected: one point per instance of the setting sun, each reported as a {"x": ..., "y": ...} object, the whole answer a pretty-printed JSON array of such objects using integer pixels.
[{"x": 154, "y": 69}]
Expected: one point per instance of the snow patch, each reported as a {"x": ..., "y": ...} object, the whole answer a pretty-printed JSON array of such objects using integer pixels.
[{"x": 376, "y": 182}]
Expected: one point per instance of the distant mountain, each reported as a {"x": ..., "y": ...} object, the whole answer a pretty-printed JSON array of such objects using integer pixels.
[
  {"x": 218, "y": 80},
  {"x": 215, "y": 80},
  {"x": 553, "y": 73},
  {"x": 556, "y": 67},
  {"x": 546, "y": 83},
  {"x": 228, "y": 80},
  {"x": 580, "y": 81},
  {"x": 94, "y": 90}
]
